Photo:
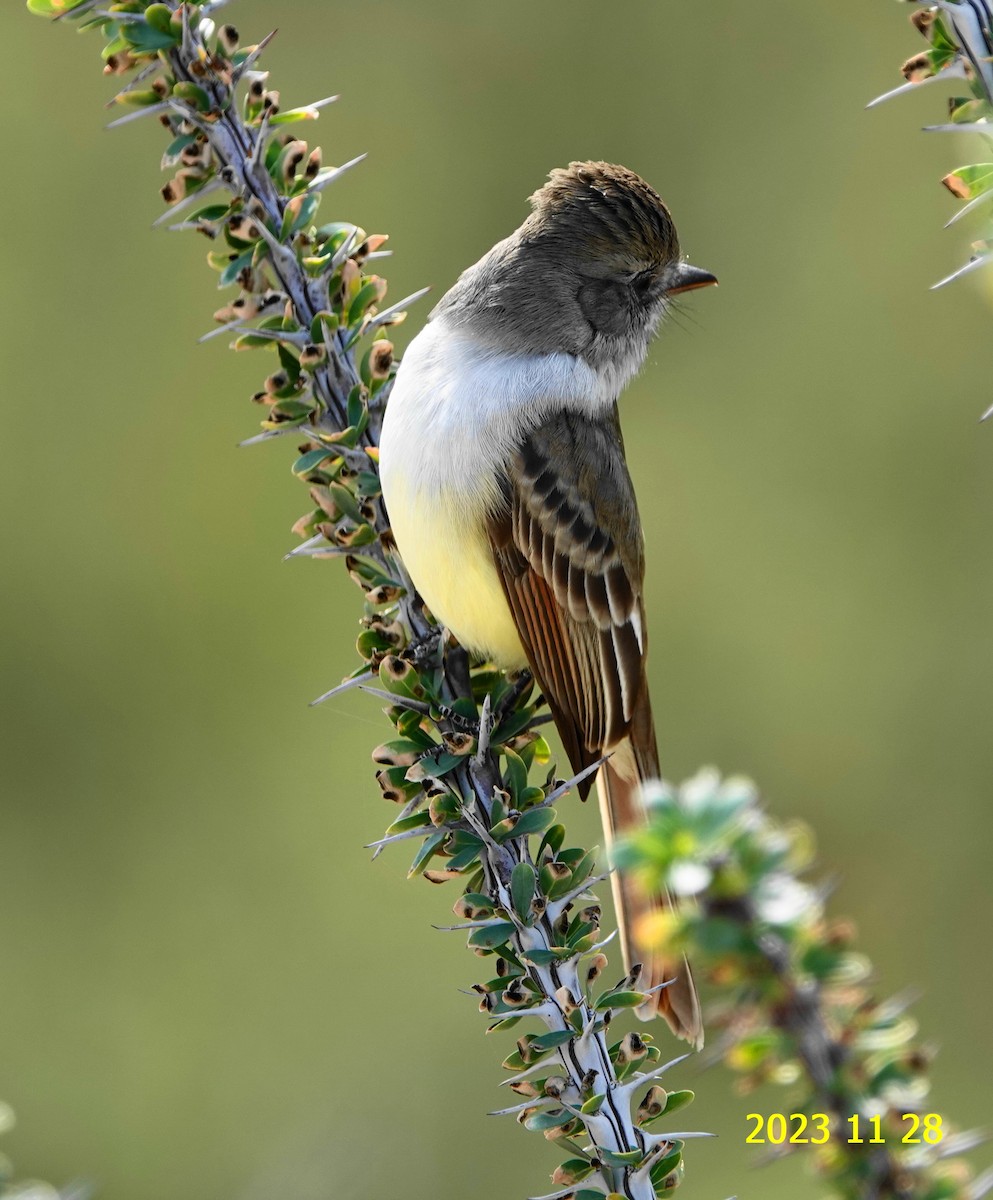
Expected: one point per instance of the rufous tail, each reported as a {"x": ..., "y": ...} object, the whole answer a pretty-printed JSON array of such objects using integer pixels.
[{"x": 622, "y": 810}]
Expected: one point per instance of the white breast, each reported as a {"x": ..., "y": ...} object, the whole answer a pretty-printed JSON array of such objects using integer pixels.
[{"x": 457, "y": 411}]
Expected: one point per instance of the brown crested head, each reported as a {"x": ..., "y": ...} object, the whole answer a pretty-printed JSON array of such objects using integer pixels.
[
  {"x": 589, "y": 272},
  {"x": 604, "y": 213}
]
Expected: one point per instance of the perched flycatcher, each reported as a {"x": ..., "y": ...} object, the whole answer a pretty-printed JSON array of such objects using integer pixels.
[{"x": 509, "y": 496}]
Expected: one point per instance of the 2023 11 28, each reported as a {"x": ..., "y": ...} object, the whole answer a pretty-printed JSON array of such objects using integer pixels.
[{"x": 814, "y": 1129}]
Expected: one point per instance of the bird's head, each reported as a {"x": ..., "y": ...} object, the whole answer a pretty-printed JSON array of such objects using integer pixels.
[{"x": 590, "y": 271}]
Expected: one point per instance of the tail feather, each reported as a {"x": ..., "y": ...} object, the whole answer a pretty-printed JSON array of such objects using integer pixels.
[{"x": 622, "y": 811}]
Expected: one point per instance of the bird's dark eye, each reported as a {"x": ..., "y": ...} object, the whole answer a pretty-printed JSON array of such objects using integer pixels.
[{"x": 642, "y": 282}]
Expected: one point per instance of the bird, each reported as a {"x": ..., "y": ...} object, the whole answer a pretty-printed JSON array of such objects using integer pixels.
[{"x": 504, "y": 477}]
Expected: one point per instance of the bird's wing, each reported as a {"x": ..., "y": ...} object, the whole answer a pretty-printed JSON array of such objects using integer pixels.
[{"x": 569, "y": 550}]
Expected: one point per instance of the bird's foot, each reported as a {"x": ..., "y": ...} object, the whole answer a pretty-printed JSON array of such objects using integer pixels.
[
  {"x": 423, "y": 648},
  {"x": 517, "y": 689}
]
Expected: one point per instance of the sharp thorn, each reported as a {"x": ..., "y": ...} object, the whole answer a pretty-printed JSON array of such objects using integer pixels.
[
  {"x": 981, "y": 1186},
  {"x": 76, "y": 10},
  {"x": 134, "y": 82},
  {"x": 397, "y": 701},
  {"x": 187, "y": 32},
  {"x": 983, "y": 127},
  {"x": 571, "y": 783},
  {"x": 643, "y": 1077},
  {"x": 189, "y": 114},
  {"x": 252, "y": 58},
  {"x": 420, "y": 831},
  {"x": 148, "y": 111},
  {"x": 268, "y": 434},
  {"x": 468, "y": 924},
  {"x": 315, "y": 547},
  {"x": 673, "y": 1135},
  {"x": 962, "y": 1143},
  {"x": 227, "y": 327},
  {"x": 261, "y": 133},
  {"x": 381, "y": 318},
  {"x": 173, "y": 210},
  {"x": 347, "y": 686},
  {"x": 954, "y": 72},
  {"x": 325, "y": 178},
  {"x": 974, "y": 203},
  {"x": 343, "y": 251},
  {"x": 969, "y": 267}
]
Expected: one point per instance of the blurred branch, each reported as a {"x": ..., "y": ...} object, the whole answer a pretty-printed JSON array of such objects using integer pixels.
[
  {"x": 466, "y": 737},
  {"x": 959, "y": 34},
  {"x": 793, "y": 1003}
]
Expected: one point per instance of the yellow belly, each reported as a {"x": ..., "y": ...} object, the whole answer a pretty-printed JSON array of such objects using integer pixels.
[{"x": 442, "y": 541}]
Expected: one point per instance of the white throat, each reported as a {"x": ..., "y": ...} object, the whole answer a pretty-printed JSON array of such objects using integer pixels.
[{"x": 459, "y": 407}]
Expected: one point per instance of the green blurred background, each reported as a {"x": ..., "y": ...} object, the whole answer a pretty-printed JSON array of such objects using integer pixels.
[{"x": 207, "y": 990}]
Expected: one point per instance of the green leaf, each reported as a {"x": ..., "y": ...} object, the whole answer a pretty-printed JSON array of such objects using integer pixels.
[
  {"x": 437, "y": 765},
  {"x": 192, "y": 94},
  {"x": 554, "y": 1119},
  {"x": 584, "y": 868},
  {"x": 576, "y": 1169},
  {"x": 400, "y": 678},
  {"x": 511, "y": 726},
  {"x": 298, "y": 213},
  {"x": 292, "y": 409},
  {"x": 941, "y": 39},
  {"x": 368, "y": 293},
  {"x": 146, "y": 40},
  {"x": 329, "y": 319},
  {"x": 414, "y": 821},
  {"x": 211, "y": 212},
  {"x": 234, "y": 269},
  {"x": 176, "y": 147},
  {"x": 551, "y": 1041},
  {"x": 423, "y": 856},
  {"x": 620, "y": 1000},
  {"x": 613, "y": 1158},
  {"x": 356, "y": 406},
  {"x": 159, "y": 16},
  {"x": 506, "y": 1023},
  {"x": 289, "y": 361},
  {"x": 295, "y": 114},
  {"x": 51, "y": 8},
  {"x": 491, "y": 936},
  {"x": 307, "y": 209},
  {"x": 141, "y": 99},
  {"x": 969, "y": 182},
  {"x": 311, "y": 461},
  {"x": 522, "y": 881},
  {"x": 535, "y": 820},
  {"x": 678, "y": 1100},
  {"x": 592, "y": 1106},
  {"x": 553, "y": 839},
  {"x": 462, "y": 858},
  {"x": 663, "y": 1167},
  {"x": 345, "y": 501},
  {"x": 545, "y": 958},
  {"x": 516, "y": 773}
]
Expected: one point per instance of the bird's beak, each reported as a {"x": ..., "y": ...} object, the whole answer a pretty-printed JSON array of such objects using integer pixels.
[{"x": 687, "y": 279}]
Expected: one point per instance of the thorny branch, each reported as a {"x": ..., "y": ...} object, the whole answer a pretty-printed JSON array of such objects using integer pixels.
[{"x": 460, "y": 773}]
